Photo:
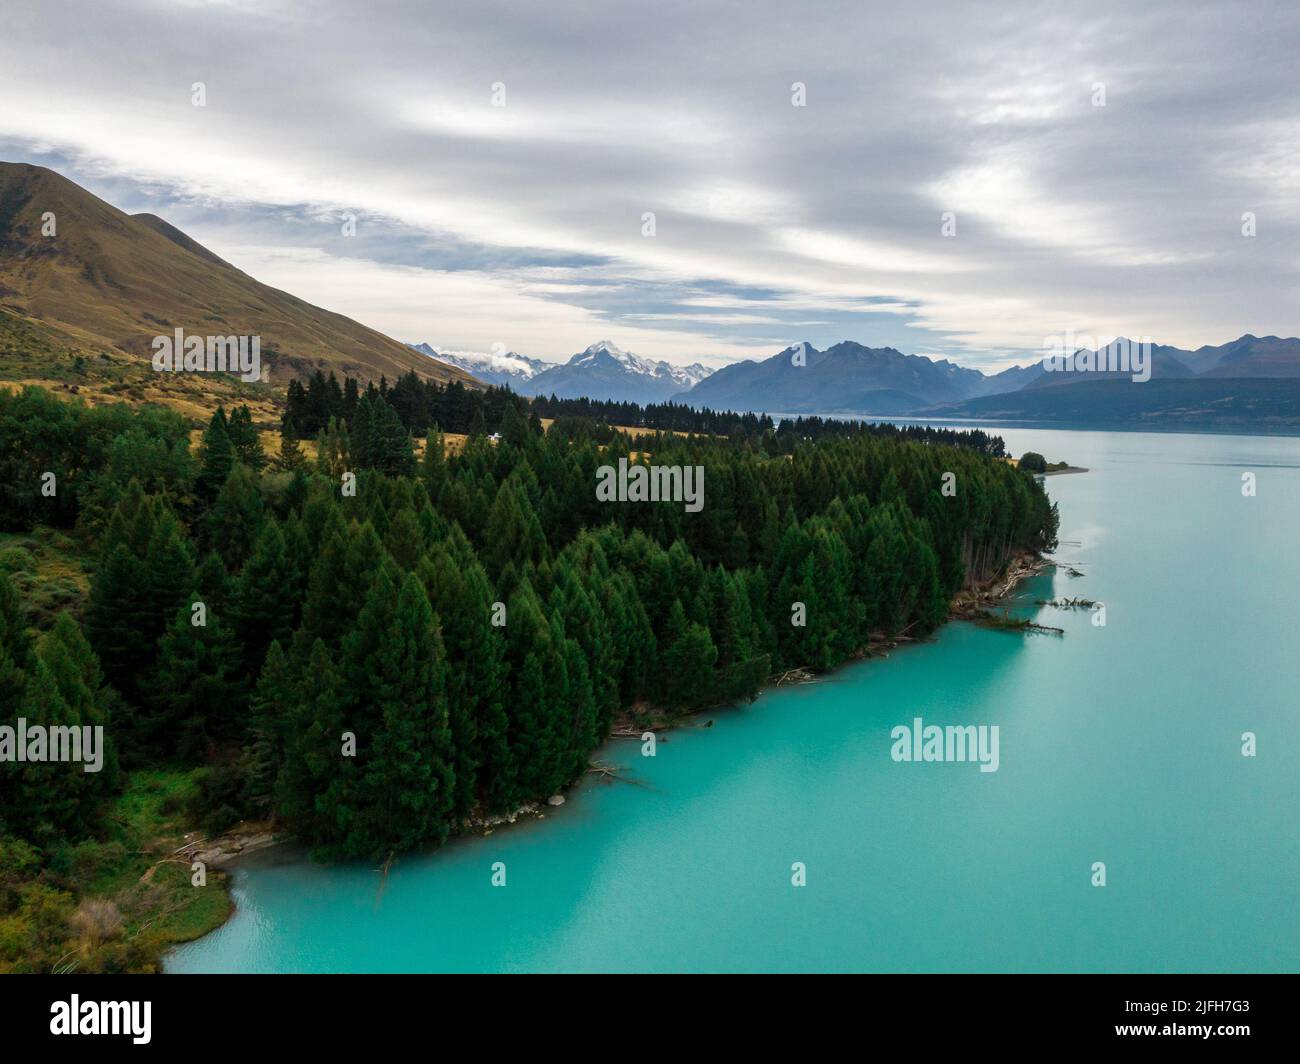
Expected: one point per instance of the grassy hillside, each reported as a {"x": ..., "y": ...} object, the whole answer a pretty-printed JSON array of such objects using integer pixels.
[{"x": 107, "y": 282}]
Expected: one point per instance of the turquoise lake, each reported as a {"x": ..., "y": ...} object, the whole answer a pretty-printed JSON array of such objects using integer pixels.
[{"x": 1120, "y": 744}]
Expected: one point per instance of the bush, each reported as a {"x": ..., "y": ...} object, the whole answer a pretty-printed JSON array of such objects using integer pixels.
[
  {"x": 97, "y": 920},
  {"x": 91, "y": 859},
  {"x": 17, "y": 560},
  {"x": 1033, "y": 462}
]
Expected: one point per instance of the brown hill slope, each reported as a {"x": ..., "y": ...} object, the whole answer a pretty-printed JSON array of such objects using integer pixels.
[{"x": 110, "y": 279}]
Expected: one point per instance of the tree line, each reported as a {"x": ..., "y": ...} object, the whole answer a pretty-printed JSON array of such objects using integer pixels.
[{"x": 422, "y": 404}]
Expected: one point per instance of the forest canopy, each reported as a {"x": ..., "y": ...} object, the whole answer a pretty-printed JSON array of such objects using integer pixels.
[{"x": 476, "y": 621}]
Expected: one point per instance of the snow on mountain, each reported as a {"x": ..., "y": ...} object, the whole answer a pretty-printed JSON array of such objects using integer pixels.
[
  {"x": 603, "y": 371},
  {"x": 685, "y": 376},
  {"x": 505, "y": 369}
]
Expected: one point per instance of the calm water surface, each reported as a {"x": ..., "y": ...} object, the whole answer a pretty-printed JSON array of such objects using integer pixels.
[{"x": 1119, "y": 744}]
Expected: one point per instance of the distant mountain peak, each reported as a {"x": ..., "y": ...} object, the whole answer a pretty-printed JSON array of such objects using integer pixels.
[{"x": 504, "y": 369}]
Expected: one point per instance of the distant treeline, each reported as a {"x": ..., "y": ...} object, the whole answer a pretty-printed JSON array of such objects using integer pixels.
[
  {"x": 475, "y": 622},
  {"x": 425, "y": 404}
]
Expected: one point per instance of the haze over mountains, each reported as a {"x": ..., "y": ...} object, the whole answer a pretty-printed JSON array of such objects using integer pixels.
[{"x": 107, "y": 279}]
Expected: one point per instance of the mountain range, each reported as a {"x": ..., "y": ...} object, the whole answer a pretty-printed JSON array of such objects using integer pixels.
[
  {"x": 602, "y": 371},
  {"x": 849, "y": 378},
  {"x": 1250, "y": 383},
  {"x": 83, "y": 283},
  {"x": 88, "y": 278}
]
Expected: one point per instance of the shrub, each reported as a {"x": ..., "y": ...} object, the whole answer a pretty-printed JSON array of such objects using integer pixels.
[{"x": 17, "y": 560}]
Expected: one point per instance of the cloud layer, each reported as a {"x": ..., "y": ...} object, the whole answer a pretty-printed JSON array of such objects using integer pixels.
[{"x": 522, "y": 224}]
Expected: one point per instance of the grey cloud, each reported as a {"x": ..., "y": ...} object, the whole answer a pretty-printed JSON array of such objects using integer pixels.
[{"x": 1123, "y": 218}]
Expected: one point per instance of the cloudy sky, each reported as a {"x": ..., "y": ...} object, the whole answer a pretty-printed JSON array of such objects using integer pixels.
[{"x": 522, "y": 225}]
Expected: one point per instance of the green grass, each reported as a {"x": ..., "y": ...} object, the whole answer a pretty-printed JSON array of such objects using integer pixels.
[
  {"x": 129, "y": 867},
  {"x": 46, "y": 568},
  {"x": 148, "y": 820}
]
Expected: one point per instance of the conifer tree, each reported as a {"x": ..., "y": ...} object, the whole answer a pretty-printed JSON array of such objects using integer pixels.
[
  {"x": 514, "y": 534},
  {"x": 271, "y": 713},
  {"x": 535, "y": 706},
  {"x": 402, "y": 793},
  {"x": 231, "y": 526},
  {"x": 409, "y": 779},
  {"x": 169, "y": 572},
  {"x": 195, "y": 692},
  {"x": 45, "y": 799},
  {"x": 334, "y": 450},
  {"x": 115, "y": 610},
  {"x": 316, "y": 779},
  {"x": 404, "y": 539},
  {"x": 337, "y": 585},
  {"x": 686, "y": 664},
  {"x": 263, "y": 600},
  {"x": 476, "y": 687},
  {"x": 216, "y": 456},
  {"x": 290, "y": 458},
  {"x": 245, "y": 440},
  {"x": 433, "y": 463}
]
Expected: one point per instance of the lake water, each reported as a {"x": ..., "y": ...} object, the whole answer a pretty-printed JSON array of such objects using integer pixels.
[{"x": 1119, "y": 744}]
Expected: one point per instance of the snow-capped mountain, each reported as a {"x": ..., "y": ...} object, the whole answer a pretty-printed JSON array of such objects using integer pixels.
[
  {"x": 602, "y": 371},
  {"x": 504, "y": 370},
  {"x": 606, "y": 371}
]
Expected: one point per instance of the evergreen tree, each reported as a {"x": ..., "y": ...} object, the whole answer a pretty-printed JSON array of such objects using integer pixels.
[
  {"x": 216, "y": 456},
  {"x": 115, "y": 609},
  {"x": 403, "y": 792},
  {"x": 514, "y": 533},
  {"x": 45, "y": 799},
  {"x": 195, "y": 690},
  {"x": 404, "y": 539},
  {"x": 271, "y": 712},
  {"x": 264, "y": 601},
  {"x": 290, "y": 458},
  {"x": 245, "y": 440},
  {"x": 379, "y": 439},
  {"x": 477, "y": 688},
  {"x": 687, "y": 662},
  {"x": 316, "y": 779},
  {"x": 232, "y": 525},
  {"x": 541, "y": 756},
  {"x": 334, "y": 450}
]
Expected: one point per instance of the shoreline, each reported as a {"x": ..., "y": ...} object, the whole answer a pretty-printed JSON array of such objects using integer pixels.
[{"x": 245, "y": 838}]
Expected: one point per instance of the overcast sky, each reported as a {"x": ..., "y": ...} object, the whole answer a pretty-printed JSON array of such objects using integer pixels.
[{"x": 521, "y": 225}]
